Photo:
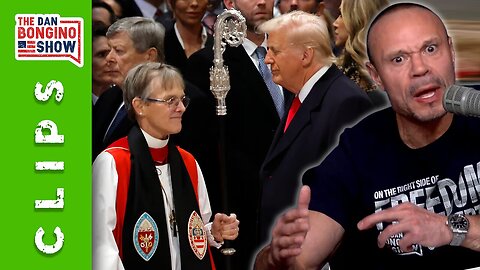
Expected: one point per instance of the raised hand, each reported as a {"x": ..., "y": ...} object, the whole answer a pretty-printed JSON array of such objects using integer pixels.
[{"x": 290, "y": 230}]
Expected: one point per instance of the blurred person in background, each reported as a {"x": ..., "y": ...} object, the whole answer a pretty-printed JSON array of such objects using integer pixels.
[
  {"x": 116, "y": 6},
  {"x": 350, "y": 28},
  {"x": 103, "y": 12},
  {"x": 159, "y": 10},
  {"x": 214, "y": 8},
  {"x": 322, "y": 8},
  {"x": 188, "y": 34},
  {"x": 285, "y": 6},
  {"x": 102, "y": 72},
  {"x": 332, "y": 7}
]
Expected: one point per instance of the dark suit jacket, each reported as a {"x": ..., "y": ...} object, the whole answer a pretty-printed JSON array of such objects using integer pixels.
[
  {"x": 334, "y": 102},
  {"x": 175, "y": 54},
  {"x": 130, "y": 9},
  {"x": 102, "y": 115},
  {"x": 190, "y": 137},
  {"x": 250, "y": 124}
]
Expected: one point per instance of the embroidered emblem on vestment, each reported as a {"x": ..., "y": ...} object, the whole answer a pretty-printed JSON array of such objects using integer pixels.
[
  {"x": 145, "y": 236},
  {"x": 197, "y": 235}
]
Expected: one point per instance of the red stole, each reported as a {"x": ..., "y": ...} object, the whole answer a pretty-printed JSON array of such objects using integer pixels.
[{"x": 120, "y": 151}]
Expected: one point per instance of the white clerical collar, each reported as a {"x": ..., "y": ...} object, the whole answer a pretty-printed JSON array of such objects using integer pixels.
[{"x": 154, "y": 142}]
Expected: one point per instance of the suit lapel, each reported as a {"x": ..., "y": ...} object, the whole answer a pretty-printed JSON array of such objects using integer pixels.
[{"x": 282, "y": 141}]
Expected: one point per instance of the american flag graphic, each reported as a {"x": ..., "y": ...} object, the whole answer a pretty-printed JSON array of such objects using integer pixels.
[{"x": 26, "y": 46}]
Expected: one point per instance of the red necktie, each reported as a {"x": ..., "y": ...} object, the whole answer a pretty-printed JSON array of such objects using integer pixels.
[
  {"x": 291, "y": 113},
  {"x": 159, "y": 155}
]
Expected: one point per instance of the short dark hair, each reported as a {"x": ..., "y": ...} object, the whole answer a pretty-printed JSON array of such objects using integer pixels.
[
  {"x": 99, "y": 29},
  {"x": 101, "y": 4},
  {"x": 391, "y": 9}
]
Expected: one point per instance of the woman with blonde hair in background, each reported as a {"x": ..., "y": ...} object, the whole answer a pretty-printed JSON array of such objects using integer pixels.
[{"x": 350, "y": 28}]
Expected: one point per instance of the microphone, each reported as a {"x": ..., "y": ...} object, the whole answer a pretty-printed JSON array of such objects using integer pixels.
[{"x": 462, "y": 100}]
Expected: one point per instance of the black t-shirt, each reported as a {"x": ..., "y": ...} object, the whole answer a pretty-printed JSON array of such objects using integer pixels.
[{"x": 372, "y": 169}]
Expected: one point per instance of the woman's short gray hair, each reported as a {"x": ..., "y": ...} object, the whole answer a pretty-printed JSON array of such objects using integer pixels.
[{"x": 139, "y": 79}]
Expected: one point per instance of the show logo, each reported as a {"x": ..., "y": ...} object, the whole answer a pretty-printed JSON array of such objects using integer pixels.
[{"x": 49, "y": 37}]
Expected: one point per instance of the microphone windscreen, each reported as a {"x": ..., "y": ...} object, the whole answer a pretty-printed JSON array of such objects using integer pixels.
[{"x": 462, "y": 100}]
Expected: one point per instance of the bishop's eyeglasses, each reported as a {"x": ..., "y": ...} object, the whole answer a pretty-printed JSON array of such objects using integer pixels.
[{"x": 172, "y": 102}]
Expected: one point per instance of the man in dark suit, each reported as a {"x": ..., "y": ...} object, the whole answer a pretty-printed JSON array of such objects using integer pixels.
[
  {"x": 250, "y": 124},
  {"x": 325, "y": 102},
  {"x": 136, "y": 40}
]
